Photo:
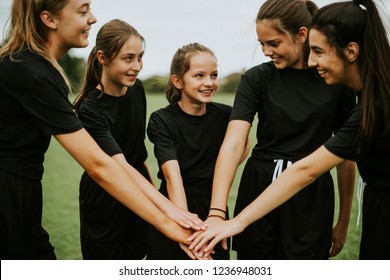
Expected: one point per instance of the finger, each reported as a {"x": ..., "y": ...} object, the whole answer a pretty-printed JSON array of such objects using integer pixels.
[
  {"x": 194, "y": 236},
  {"x": 224, "y": 244},
  {"x": 188, "y": 252}
]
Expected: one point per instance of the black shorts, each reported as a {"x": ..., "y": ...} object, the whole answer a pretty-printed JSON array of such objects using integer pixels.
[
  {"x": 375, "y": 243},
  {"x": 108, "y": 229},
  {"x": 21, "y": 233},
  {"x": 301, "y": 228}
]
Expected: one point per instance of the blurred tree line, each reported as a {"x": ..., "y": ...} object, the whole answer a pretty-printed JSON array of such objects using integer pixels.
[
  {"x": 75, "y": 69},
  {"x": 157, "y": 83}
]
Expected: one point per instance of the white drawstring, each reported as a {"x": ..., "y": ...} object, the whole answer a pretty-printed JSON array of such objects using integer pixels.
[
  {"x": 359, "y": 194},
  {"x": 279, "y": 168}
]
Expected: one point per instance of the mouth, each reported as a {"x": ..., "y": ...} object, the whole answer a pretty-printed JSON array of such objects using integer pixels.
[
  {"x": 132, "y": 77},
  {"x": 86, "y": 32},
  {"x": 207, "y": 91},
  {"x": 322, "y": 72},
  {"x": 275, "y": 59}
]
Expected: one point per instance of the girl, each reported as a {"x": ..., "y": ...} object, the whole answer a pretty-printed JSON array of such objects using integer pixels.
[
  {"x": 33, "y": 110},
  {"x": 187, "y": 135},
  {"x": 342, "y": 38},
  {"x": 297, "y": 112},
  {"x": 112, "y": 108}
]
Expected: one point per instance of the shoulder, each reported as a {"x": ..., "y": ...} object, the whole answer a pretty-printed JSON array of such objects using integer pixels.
[
  {"x": 263, "y": 68},
  {"x": 91, "y": 101}
]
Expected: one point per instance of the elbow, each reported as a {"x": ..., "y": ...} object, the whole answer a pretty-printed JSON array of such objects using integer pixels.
[{"x": 308, "y": 174}]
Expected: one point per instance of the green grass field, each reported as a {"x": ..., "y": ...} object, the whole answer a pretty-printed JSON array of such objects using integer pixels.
[{"x": 61, "y": 183}]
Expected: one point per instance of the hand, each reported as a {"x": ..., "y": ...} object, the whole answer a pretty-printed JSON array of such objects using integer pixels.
[
  {"x": 174, "y": 231},
  {"x": 339, "y": 235},
  {"x": 204, "y": 241},
  {"x": 193, "y": 255},
  {"x": 215, "y": 220},
  {"x": 184, "y": 218}
]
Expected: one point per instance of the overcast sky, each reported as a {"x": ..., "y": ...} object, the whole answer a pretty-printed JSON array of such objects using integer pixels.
[{"x": 225, "y": 26}]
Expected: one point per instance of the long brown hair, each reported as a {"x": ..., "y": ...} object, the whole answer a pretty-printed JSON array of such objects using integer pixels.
[
  {"x": 359, "y": 21},
  {"x": 180, "y": 65},
  {"x": 27, "y": 31},
  {"x": 110, "y": 39}
]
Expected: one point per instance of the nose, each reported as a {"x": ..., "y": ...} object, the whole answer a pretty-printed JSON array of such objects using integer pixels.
[
  {"x": 268, "y": 51},
  {"x": 208, "y": 81},
  {"x": 312, "y": 62},
  {"x": 137, "y": 65},
  {"x": 92, "y": 19}
]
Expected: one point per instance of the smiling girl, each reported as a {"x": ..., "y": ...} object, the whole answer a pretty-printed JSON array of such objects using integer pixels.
[
  {"x": 297, "y": 112},
  {"x": 187, "y": 135},
  {"x": 34, "y": 106},
  {"x": 342, "y": 39},
  {"x": 112, "y": 108}
]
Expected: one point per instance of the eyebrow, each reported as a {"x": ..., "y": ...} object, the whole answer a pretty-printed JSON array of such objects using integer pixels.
[{"x": 276, "y": 41}]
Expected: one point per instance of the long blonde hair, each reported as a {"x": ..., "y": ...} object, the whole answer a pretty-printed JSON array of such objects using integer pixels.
[{"x": 27, "y": 31}]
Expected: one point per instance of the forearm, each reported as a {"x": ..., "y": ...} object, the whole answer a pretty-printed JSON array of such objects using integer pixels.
[
  {"x": 110, "y": 175},
  {"x": 147, "y": 187},
  {"x": 346, "y": 173},
  {"x": 174, "y": 183},
  {"x": 232, "y": 152}
]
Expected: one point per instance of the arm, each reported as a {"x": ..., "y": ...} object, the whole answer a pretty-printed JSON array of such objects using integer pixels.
[
  {"x": 346, "y": 172},
  {"x": 233, "y": 151},
  {"x": 177, "y": 214},
  {"x": 174, "y": 181},
  {"x": 115, "y": 180},
  {"x": 150, "y": 175},
  {"x": 176, "y": 194},
  {"x": 291, "y": 181}
]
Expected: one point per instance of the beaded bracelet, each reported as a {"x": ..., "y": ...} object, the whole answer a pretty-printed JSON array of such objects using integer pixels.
[
  {"x": 215, "y": 216},
  {"x": 218, "y": 209}
]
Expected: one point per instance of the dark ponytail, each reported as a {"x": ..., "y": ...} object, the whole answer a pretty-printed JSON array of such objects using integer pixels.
[
  {"x": 359, "y": 21},
  {"x": 109, "y": 40}
]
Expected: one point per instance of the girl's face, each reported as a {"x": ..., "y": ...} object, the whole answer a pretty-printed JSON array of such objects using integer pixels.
[
  {"x": 73, "y": 25},
  {"x": 283, "y": 51},
  {"x": 122, "y": 71},
  {"x": 324, "y": 57},
  {"x": 200, "y": 82}
]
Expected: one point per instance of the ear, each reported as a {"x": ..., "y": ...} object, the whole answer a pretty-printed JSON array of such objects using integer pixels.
[
  {"x": 351, "y": 51},
  {"x": 101, "y": 57},
  {"x": 49, "y": 20},
  {"x": 302, "y": 34},
  {"x": 177, "y": 82}
]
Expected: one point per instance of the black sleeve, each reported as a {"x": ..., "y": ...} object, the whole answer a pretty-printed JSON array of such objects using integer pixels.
[
  {"x": 343, "y": 144},
  {"x": 246, "y": 101},
  {"x": 92, "y": 118},
  {"x": 47, "y": 102},
  {"x": 160, "y": 135}
]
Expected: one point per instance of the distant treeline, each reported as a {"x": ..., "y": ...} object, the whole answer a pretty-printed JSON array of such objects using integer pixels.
[{"x": 75, "y": 69}]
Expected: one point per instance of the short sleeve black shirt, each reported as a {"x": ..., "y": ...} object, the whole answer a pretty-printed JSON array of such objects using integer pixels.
[
  {"x": 297, "y": 111},
  {"x": 117, "y": 123},
  {"x": 34, "y": 105},
  {"x": 194, "y": 141},
  {"x": 373, "y": 160}
]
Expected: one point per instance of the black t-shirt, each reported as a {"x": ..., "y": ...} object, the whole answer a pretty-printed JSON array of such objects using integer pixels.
[
  {"x": 118, "y": 123},
  {"x": 373, "y": 162},
  {"x": 297, "y": 110},
  {"x": 194, "y": 141},
  {"x": 34, "y": 105}
]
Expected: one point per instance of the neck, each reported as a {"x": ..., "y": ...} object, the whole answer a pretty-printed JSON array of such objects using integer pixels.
[{"x": 193, "y": 109}]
